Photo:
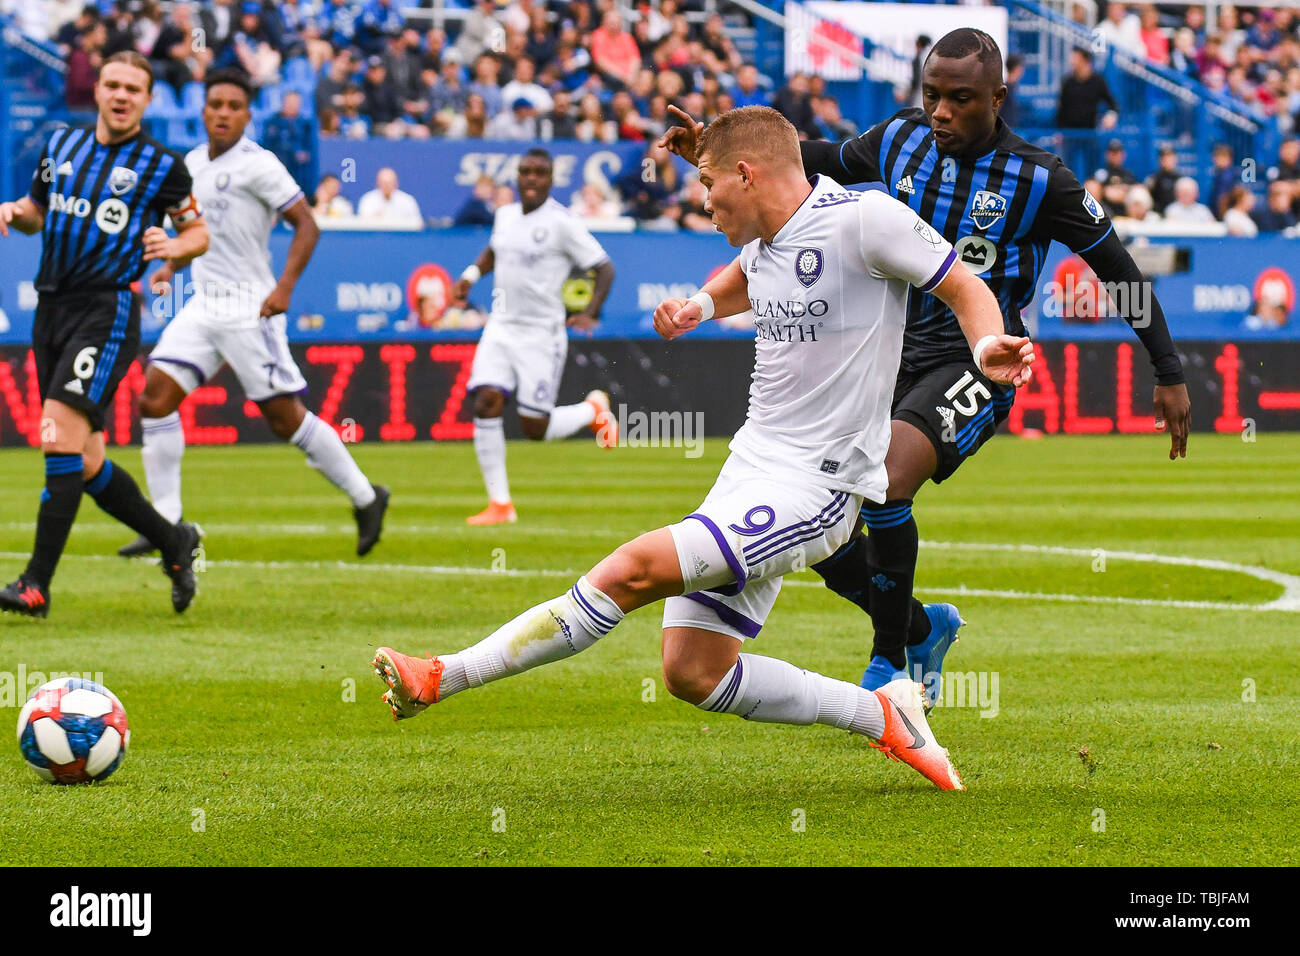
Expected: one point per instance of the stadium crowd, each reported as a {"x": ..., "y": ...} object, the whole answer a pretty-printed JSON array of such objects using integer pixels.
[{"x": 531, "y": 70}]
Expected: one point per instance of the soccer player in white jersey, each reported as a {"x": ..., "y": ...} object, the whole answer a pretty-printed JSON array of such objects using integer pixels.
[
  {"x": 535, "y": 244},
  {"x": 236, "y": 314},
  {"x": 827, "y": 274}
]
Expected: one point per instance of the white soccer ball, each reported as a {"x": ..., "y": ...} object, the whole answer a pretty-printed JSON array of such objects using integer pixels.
[{"x": 72, "y": 730}]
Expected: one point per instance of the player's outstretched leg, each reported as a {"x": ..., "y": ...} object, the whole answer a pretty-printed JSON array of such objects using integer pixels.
[
  {"x": 592, "y": 412},
  {"x": 774, "y": 691}
]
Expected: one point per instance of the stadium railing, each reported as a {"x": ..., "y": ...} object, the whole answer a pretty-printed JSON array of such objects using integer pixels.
[{"x": 31, "y": 102}]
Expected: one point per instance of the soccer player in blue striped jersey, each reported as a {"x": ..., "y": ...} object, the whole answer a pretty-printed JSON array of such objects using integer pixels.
[
  {"x": 98, "y": 198},
  {"x": 1000, "y": 201}
]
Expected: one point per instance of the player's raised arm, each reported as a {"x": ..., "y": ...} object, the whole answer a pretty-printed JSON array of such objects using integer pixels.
[
  {"x": 683, "y": 139},
  {"x": 482, "y": 266},
  {"x": 852, "y": 161},
  {"x": 1078, "y": 221},
  {"x": 24, "y": 215},
  {"x": 727, "y": 293},
  {"x": 305, "y": 235},
  {"x": 1002, "y": 357}
]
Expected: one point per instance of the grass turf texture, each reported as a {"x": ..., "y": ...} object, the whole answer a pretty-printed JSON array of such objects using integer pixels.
[{"x": 258, "y": 707}]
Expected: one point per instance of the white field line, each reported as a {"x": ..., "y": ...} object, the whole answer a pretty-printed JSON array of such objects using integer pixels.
[
  {"x": 1289, "y": 601},
  {"x": 113, "y": 528}
]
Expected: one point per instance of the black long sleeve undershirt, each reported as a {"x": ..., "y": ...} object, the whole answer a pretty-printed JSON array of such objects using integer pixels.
[{"x": 1112, "y": 263}]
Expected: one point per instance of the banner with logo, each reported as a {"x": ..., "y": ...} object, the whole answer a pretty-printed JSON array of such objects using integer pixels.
[{"x": 683, "y": 390}]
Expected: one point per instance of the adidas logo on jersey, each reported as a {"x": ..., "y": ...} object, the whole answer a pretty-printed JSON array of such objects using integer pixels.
[
  {"x": 904, "y": 185},
  {"x": 74, "y": 387},
  {"x": 948, "y": 415}
]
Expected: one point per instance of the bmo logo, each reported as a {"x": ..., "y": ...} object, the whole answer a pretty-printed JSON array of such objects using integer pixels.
[
  {"x": 72, "y": 205},
  {"x": 367, "y": 296},
  {"x": 112, "y": 216}
]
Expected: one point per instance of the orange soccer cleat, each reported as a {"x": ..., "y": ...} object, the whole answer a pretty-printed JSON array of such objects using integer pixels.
[
  {"x": 412, "y": 681},
  {"x": 497, "y": 512},
  {"x": 605, "y": 425},
  {"x": 908, "y": 737}
]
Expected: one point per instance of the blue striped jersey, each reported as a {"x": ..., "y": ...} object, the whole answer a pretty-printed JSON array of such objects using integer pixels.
[
  {"x": 1000, "y": 211},
  {"x": 98, "y": 202}
]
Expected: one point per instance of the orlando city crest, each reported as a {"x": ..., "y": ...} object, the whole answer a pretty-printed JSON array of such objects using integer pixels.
[
  {"x": 122, "y": 180},
  {"x": 987, "y": 208},
  {"x": 808, "y": 266}
]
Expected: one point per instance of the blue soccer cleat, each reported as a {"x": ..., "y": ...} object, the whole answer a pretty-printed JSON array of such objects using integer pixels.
[
  {"x": 879, "y": 673},
  {"x": 925, "y": 660}
]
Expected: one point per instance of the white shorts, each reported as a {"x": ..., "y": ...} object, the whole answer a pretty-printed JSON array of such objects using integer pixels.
[
  {"x": 193, "y": 349},
  {"x": 765, "y": 527},
  {"x": 522, "y": 361}
]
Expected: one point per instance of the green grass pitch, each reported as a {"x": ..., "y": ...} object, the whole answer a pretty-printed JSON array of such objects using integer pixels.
[{"x": 1146, "y": 714}]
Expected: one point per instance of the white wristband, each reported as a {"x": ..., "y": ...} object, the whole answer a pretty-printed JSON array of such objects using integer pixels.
[
  {"x": 472, "y": 274},
  {"x": 705, "y": 302},
  {"x": 977, "y": 352}
]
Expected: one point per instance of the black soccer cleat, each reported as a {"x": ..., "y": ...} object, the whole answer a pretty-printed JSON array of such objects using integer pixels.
[
  {"x": 179, "y": 565},
  {"x": 370, "y": 520},
  {"x": 25, "y": 597},
  {"x": 138, "y": 548}
]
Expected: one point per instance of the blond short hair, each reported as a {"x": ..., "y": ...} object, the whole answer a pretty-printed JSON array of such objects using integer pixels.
[{"x": 751, "y": 132}]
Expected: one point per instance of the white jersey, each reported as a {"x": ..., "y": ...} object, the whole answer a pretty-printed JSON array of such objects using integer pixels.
[
  {"x": 829, "y": 297},
  {"x": 240, "y": 193},
  {"x": 533, "y": 255}
]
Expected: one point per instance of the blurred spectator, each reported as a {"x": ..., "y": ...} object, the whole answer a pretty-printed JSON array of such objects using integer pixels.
[
  {"x": 1183, "y": 56},
  {"x": 1154, "y": 42},
  {"x": 486, "y": 83},
  {"x": 447, "y": 96},
  {"x": 613, "y": 51},
  {"x": 541, "y": 44},
  {"x": 1276, "y": 214},
  {"x": 1081, "y": 93},
  {"x": 329, "y": 204},
  {"x": 1236, "y": 216},
  {"x": 1014, "y": 73},
  {"x": 478, "y": 209},
  {"x": 330, "y": 85},
  {"x": 83, "y": 67},
  {"x": 794, "y": 103},
  {"x": 386, "y": 204},
  {"x": 504, "y": 196},
  {"x": 912, "y": 95},
  {"x": 148, "y": 24},
  {"x": 120, "y": 25},
  {"x": 67, "y": 35},
  {"x": 593, "y": 202},
  {"x": 747, "y": 91},
  {"x": 592, "y": 125},
  {"x": 403, "y": 64},
  {"x": 1288, "y": 161},
  {"x": 1185, "y": 209},
  {"x": 177, "y": 58},
  {"x": 251, "y": 49},
  {"x": 315, "y": 47},
  {"x": 719, "y": 46},
  {"x": 657, "y": 23},
  {"x": 291, "y": 137},
  {"x": 1163, "y": 179},
  {"x": 382, "y": 107},
  {"x": 379, "y": 19},
  {"x": 480, "y": 33},
  {"x": 694, "y": 217},
  {"x": 517, "y": 123},
  {"x": 1138, "y": 206},
  {"x": 647, "y": 189},
  {"x": 524, "y": 85},
  {"x": 631, "y": 125},
  {"x": 830, "y": 123},
  {"x": 327, "y": 123},
  {"x": 1223, "y": 178},
  {"x": 219, "y": 23},
  {"x": 471, "y": 124},
  {"x": 352, "y": 123},
  {"x": 1114, "y": 169},
  {"x": 559, "y": 123},
  {"x": 1121, "y": 29}
]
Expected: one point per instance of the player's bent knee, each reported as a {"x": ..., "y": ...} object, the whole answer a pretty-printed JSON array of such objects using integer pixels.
[
  {"x": 534, "y": 428},
  {"x": 489, "y": 403},
  {"x": 692, "y": 677}
]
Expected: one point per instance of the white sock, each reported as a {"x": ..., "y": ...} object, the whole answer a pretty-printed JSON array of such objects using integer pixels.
[
  {"x": 777, "y": 692},
  {"x": 328, "y": 455},
  {"x": 490, "y": 447},
  {"x": 551, "y": 631},
  {"x": 164, "y": 447},
  {"x": 568, "y": 420}
]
